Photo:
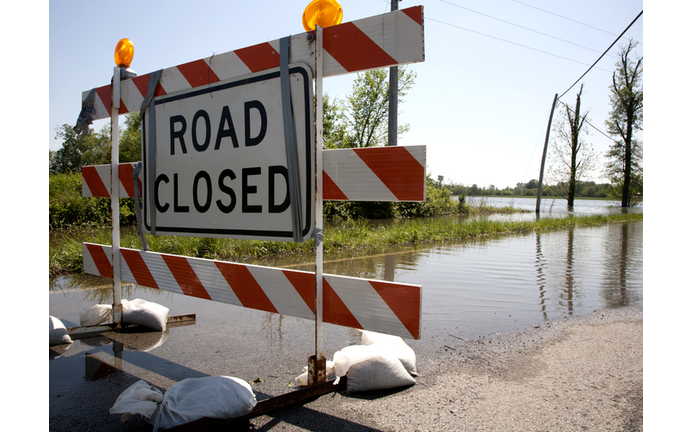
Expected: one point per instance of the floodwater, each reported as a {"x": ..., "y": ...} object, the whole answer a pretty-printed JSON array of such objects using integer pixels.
[{"x": 470, "y": 289}]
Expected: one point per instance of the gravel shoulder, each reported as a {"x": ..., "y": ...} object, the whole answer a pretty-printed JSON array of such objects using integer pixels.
[{"x": 572, "y": 375}]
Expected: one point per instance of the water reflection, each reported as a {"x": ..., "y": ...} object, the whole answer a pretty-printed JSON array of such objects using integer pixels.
[
  {"x": 483, "y": 285},
  {"x": 540, "y": 276},
  {"x": 515, "y": 281},
  {"x": 86, "y": 290},
  {"x": 623, "y": 255}
]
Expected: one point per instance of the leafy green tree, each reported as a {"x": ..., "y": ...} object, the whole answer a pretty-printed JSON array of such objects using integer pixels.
[
  {"x": 571, "y": 156},
  {"x": 334, "y": 124},
  {"x": 79, "y": 150},
  {"x": 367, "y": 107},
  {"x": 130, "y": 142},
  {"x": 626, "y": 117},
  {"x": 94, "y": 148}
]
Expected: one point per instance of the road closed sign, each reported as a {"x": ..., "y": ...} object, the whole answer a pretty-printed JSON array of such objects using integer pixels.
[{"x": 218, "y": 164}]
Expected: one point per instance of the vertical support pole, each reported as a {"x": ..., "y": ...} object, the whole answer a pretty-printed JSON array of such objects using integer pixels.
[
  {"x": 317, "y": 363},
  {"x": 115, "y": 196},
  {"x": 545, "y": 151},
  {"x": 393, "y": 97}
]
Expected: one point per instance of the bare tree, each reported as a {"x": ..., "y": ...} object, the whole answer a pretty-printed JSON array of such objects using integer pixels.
[{"x": 571, "y": 156}]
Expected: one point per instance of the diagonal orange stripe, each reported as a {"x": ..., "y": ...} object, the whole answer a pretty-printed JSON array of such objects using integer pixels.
[
  {"x": 398, "y": 170},
  {"x": 415, "y": 13},
  {"x": 259, "y": 57},
  {"x": 330, "y": 191},
  {"x": 335, "y": 310},
  {"x": 198, "y": 73},
  {"x": 138, "y": 267},
  {"x": 353, "y": 49},
  {"x": 104, "y": 93},
  {"x": 187, "y": 279},
  {"x": 94, "y": 182},
  {"x": 404, "y": 300},
  {"x": 98, "y": 255},
  {"x": 125, "y": 173},
  {"x": 304, "y": 283},
  {"x": 245, "y": 287}
]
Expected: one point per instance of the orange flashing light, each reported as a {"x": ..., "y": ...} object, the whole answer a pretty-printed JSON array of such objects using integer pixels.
[
  {"x": 324, "y": 13},
  {"x": 124, "y": 52}
]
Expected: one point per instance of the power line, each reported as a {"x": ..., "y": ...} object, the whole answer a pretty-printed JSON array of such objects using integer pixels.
[
  {"x": 589, "y": 123},
  {"x": 563, "y": 17},
  {"x": 427, "y": 18},
  {"x": 520, "y": 26},
  {"x": 604, "y": 53}
]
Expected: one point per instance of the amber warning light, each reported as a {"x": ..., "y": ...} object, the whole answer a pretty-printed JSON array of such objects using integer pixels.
[
  {"x": 324, "y": 13},
  {"x": 124, "y": 52}
]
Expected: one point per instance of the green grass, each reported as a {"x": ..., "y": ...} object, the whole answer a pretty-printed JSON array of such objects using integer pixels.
[{"x": 66, "y": 252}]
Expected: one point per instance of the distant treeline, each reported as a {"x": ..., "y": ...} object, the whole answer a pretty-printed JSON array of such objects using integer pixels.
[{"x": 588, "y": 189}]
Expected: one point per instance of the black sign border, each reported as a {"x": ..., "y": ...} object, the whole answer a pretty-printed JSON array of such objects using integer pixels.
[{"x": 309, "y": 177}]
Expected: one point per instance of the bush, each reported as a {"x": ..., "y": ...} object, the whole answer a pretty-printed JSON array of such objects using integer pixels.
[
  {"x": 438, "y": 202},
  {"x": 67, "y": 207}
]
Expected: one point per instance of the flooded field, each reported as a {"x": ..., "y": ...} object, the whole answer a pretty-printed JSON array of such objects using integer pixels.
[{"x": 472, "y": 289}]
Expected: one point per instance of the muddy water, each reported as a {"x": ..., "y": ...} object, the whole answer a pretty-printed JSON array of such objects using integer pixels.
[
  {"x": 481, "y": 286},
  {"x": 502, "y": 284}
]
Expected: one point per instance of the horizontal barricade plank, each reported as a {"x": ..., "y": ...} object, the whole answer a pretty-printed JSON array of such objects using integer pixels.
[
  {"x": 385, "y": 307},
  {"x": 380, "y": 41},
  {"x": 364, "y": 174}
]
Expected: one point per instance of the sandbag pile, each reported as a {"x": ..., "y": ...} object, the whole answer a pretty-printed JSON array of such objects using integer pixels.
[
  {"x": 380, "y": 362},
  {"x": 57, "y": 332},
  {"x": 141, "y": 312},
  {"x": 216, "y": 397}
]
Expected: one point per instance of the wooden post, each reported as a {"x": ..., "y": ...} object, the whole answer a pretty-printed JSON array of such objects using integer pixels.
[{"x": 545, "y": 152}]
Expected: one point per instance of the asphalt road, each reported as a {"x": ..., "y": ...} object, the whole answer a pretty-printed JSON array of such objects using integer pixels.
[
  {"x": 575, "y": 375},
  {"x": 569, "y": 375}
]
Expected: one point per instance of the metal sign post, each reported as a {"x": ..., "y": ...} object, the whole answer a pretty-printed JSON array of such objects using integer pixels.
[
  {"x": 115, "y": 197},
  {"x": 317, "y": 364}
]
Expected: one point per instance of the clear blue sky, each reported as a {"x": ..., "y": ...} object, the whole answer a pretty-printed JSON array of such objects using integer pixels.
[{"x": 481, "y": 99}]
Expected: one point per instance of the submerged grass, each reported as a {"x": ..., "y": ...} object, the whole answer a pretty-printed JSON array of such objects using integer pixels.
[{"x": 66, "y": 252}]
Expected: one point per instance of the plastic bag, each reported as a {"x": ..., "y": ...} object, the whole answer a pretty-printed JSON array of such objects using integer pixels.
[
  {"x": 145, "y": 313},
  {"x": 57, "y": 333},
  {"x": 218, "y": 397},
  {"x": 391, "y": 345},
  {"x": 377, "y": 373},
  {"x": 302, "y": 379},
  {"x": 95, "y": 315},
  {"x": 140, "y": 398}
]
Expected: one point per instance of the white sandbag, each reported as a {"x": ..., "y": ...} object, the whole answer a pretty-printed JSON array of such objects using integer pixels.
[
  {"x": 379, "y": 372},
  {"x": 217, "y": 397},
  {"x": 148, "y": 314},
  {"x": 57, "y": 332},
  {"x": 346, "y": 357},
  {"x": 302, "y": 379},
  {"x": 95, "y": 315},
  {"x": 391, "y": 345},
  {"x": 140, "y": 398}
]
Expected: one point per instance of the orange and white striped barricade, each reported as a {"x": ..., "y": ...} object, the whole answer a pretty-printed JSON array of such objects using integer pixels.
[
  {"x": 391, "y": 39},
  {"x": 386, "y": 307},
  {"x": 364, "y": 174}
]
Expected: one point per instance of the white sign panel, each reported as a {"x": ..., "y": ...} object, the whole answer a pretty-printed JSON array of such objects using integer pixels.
[{"x": 219, "y": 166}]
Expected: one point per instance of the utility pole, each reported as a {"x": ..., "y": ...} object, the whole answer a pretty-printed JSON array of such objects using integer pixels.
[
  {"x": 393, "y": 96},
  {"x": 545, "y": 152}
]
